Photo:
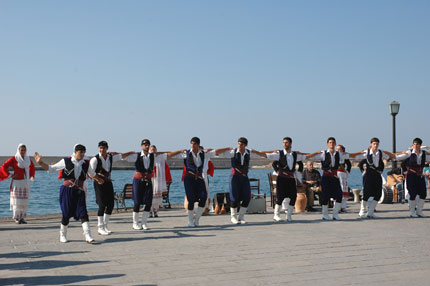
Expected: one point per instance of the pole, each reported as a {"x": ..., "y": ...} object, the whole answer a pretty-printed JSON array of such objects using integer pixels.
[{"x": 394, "y": 140}]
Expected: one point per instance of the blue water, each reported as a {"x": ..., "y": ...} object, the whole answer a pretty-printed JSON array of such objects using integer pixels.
[{"x": 45, "y": 189}]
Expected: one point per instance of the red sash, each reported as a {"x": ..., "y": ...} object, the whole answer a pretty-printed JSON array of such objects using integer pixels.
[{"x": 72, "y": 183}]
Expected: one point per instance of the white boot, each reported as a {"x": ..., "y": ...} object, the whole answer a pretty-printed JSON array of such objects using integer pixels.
[
  {"x": 145, "y": 216},
  {"x": 101, "y": 226},
  {"x": 371, "y": 211},
  {"x": 106, "y": 221},
  {"x": 234, "y": 216},
  {"x": 199, "y": 213},
  {"x": 87, "y": 232},
  {"x": 277, "y": 213},
  {"x": 242, "y": 213},
  {"x": 420, "y": 206},
  {"x": 362, "y": 212},
  {"x": 336, "y": 210},
  {"x": 412, "y": 205},
  {"x": 289, "y": 213},
  {"x": 191, "y": 218},
  {"x": 325, "y": 215},
  {"x": 63, "y": 233},
  {"x": 136, "y": 224}
]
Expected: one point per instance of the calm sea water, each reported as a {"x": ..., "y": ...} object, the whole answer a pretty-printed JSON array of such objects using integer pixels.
[{"x": 44, "y": 194}]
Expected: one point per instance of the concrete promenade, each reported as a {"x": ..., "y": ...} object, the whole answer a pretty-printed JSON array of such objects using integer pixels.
[{"x": 391, "y": 250}]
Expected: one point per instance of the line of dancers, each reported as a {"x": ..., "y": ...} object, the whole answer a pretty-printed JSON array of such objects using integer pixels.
[{"x": 75, "y": 169}]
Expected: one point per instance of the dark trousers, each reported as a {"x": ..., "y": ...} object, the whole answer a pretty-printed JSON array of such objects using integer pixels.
[
  {"x": 104, "y": 197},
  {"x": 142, "y": 194},
  {"x": 195, "y": 189},
  {"x": 73, "y": 204},
  {"x": 372, "y": 185},
  {"x": 240, "y": 191},
  {"x": 286, "y": 188},
  {"x": 416, "y": 186},
  {"x": 330, "y": 189}
]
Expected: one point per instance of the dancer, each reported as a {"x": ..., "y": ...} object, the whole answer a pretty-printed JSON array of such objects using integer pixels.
[
  {"x": 372, "y": 177},
  {"x": 343, "y": 174},
  {"x": 330, "y": 161},
  {"x": 286, "y": 187},
  {"x": 415, "y": 160},
  {"x": 72, "y": 194},
  {"x": 240, "y": 191},
  {"x": 23, "y": 172},
  {"x": 101, "y": 164},
  {"x": 160, "y": 182},
  {"x": 142, "y": 180}
]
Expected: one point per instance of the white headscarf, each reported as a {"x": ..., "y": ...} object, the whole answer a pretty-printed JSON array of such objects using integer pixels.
[{"x": 23, "y": 163}]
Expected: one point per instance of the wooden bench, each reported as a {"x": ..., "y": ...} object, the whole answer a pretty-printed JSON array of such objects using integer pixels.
[{"x": 120, "y": 197}]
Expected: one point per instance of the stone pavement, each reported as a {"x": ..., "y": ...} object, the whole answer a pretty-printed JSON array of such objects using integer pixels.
[{"x": 391, "y": 250}]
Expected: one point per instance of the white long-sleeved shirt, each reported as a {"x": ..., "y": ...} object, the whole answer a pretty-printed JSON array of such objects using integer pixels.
[
  {"x": 60, "y": 165},
  {"x": 321, "y": 157},
  {"x": 106, "y": 163},
  {"x": 196, "y": 158},
  {"x": 375, "y": 157},
  {"x": 290, "y": 159},
  {"x": 146, "y": 158},
  {"x": 231, "y": 154},
  {"x": 408, "y": 154}
]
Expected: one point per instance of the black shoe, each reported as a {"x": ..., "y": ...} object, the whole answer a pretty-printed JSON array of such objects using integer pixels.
[
  {"x": 150, "y": 215},
  {"x": 22, "y": 221},
  {"x": 310, "y": 209},
  {"x": 156, "y": 215}
]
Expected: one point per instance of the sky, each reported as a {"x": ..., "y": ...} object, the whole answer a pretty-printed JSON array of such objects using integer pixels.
[{"x": 84, "y": 71}]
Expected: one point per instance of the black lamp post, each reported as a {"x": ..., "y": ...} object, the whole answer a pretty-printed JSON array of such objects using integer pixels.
[{"x": 394, "y": 109}]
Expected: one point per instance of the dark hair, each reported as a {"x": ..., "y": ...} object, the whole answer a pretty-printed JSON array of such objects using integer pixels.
[
  {"x": 195, "y": 140},
  {"x": 103, "y": 144},
  {"x": 243, "y": 140},
  {"x": 418, "y": 140},
  {"x": 154, "y": 146},
  {"x": 342, "y": 147},
  {"x": 331, "y": 138},
  {"x": 374, "y": 139},
  {"x": 145, "y": 142},
  {"x": 80, "y": 147},
  {"x": 288, "y": 139}
]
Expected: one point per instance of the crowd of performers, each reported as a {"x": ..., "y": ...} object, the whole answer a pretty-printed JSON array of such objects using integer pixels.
[{"x": 152, "y": 173}]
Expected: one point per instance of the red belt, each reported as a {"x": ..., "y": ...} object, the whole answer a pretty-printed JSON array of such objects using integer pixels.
[
  {"x": 415, "y": 170},
  {"x": 331, "y": 173},
  {"x": 236, "y": 171},
  {"x": 105, "y": 177},
  {"x": 72, "y": 183},
  {"x": 194, "y": 175},
  {"x": 286, "y": 174},
  {"x": 142, "y": 176}
]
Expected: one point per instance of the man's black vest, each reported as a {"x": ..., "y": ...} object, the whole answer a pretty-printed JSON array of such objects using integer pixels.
[
  {"x": 140, "y": 166},
  {"x": 326, "y": 164},
  {"x": 283, "y": 161},
  {"x": 69, "y": 170}
]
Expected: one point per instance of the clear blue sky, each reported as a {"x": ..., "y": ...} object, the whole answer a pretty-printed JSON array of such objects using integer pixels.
[{"x": 83, "y": 71}]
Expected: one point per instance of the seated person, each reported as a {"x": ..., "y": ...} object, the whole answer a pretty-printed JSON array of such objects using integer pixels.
[{"x": 311, "y": 178}]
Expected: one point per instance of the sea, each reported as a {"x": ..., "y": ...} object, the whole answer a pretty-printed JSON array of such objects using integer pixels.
[{"x": 44, "y": 191}]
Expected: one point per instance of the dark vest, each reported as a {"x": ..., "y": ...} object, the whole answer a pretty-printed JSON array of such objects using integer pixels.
[
  {"x": 236, "y": 161},
  {"x": 69, "y": 170},
  {"x": 191, "y": 166},
  {"x": 99, "y": 169},
  {"x": 412, "y": 161},
  {"x": 283, "y": 161},
  {"x": 326, "y": 164},
  {"x": 140, "y": 167},
  {"x": 369, "y": 162}
]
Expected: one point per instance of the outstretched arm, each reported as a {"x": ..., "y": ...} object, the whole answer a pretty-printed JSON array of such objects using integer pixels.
[
  {"x": 39, "y": 161},
  {"x": 310, "y": 155},
  {"x": 171, "y": 154},
  {"x": 353, "y": 155},
  {"x": 391, "y": 155},
  {"x": 124, "y": 155},
  {"x": 261, "y": 154},
  {"x": 222, "y": 150}
]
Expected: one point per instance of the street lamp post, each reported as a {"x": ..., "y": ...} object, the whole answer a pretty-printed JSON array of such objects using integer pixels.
[{"x": 394, "y": 109}]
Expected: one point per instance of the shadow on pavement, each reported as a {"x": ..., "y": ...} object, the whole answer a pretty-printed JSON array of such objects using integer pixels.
[
  {"x": 37, "y": 254},
  {"x": 55, "y": 280},
  {"x": 43, "y": 265}
]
